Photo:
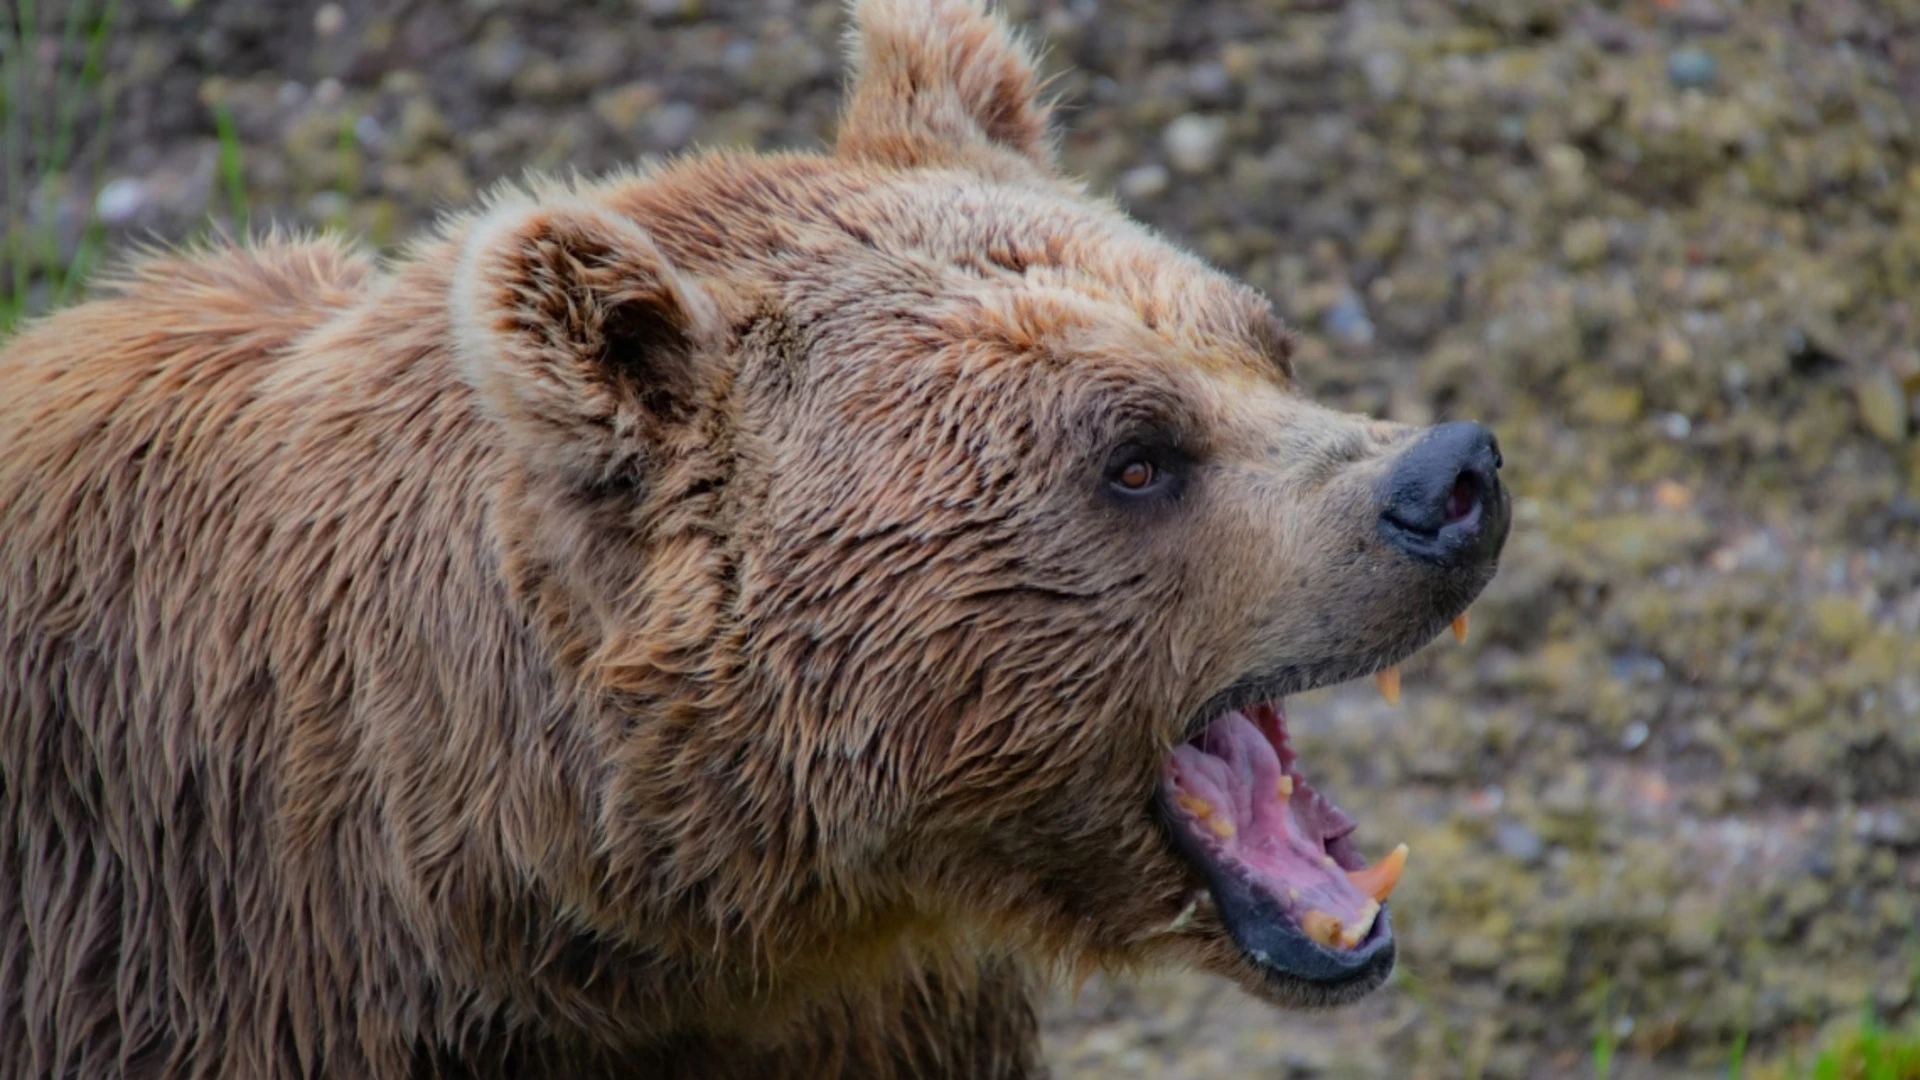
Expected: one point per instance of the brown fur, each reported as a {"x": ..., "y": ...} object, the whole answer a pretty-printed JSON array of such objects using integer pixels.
[{"x": 665, "y": 625}]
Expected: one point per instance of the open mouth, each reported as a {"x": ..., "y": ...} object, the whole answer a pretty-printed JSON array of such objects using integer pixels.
[{"x": 1291, "y": 885}]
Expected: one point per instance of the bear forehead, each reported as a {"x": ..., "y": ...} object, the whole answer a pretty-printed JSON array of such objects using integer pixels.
[{"x": 1037, "y": 263}]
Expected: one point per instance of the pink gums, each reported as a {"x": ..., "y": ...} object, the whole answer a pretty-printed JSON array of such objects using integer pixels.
[{"x": 1232, "y": 774}]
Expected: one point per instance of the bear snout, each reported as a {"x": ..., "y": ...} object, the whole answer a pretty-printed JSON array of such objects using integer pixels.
[{"x": 1442, "y": 502}]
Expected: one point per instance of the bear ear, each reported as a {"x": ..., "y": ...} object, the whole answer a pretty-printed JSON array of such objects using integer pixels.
[
  {"x": 941, "y": 82},
  {"x": 580, "y": 337}
]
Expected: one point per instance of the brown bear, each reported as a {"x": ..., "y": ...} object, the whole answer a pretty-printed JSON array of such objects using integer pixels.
[{"x": 753, "y": 617}]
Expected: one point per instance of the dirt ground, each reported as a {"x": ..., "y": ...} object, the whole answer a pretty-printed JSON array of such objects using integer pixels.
[{"x": 1669, "y": 249}]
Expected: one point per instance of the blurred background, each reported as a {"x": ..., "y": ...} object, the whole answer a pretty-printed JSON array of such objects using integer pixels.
[{"x": 1662, "y": 804}]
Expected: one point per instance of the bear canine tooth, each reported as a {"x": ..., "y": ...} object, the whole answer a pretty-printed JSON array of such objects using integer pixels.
[
  {"x": 1379, "y": 879},
  {"x": 1389, "y": 681},
  {"x": 1356, "y": 931},
  {"x": 1460, "y": 628},
  {"x": 1221, "y": 827},
  {"x": 1322, "y": 926},
  {"x": 1286, "y": 786}
]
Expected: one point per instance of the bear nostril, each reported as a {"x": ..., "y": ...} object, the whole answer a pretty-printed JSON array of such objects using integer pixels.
[{"x": 1462, "y": 499}]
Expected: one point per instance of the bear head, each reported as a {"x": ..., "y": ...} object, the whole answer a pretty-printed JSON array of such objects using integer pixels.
[{"x": 935, "y": 546}]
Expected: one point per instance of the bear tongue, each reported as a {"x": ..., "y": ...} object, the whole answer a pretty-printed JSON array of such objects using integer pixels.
[{"x": 1270, "y": 828}]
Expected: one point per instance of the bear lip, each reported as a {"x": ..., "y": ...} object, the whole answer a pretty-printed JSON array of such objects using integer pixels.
[{"x": 1275, "y": 852}]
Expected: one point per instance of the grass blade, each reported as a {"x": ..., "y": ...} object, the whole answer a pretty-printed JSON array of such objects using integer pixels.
[{"x": 231, "y": 173}]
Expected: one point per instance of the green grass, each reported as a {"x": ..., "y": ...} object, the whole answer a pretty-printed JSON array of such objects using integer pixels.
[
  {"x": 1737, "y": 1054},
  {"x": 1604, "y": 1038},
  {"x": 232, "y": 176},
  {"x": 40, "y": 113},
  {"x": 1867, "y": 1049},
  {"x": 1871, "y": 1052},
  {"x": 38, "y": 140}
]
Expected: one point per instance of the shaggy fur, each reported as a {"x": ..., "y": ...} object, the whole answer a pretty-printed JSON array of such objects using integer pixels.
[{"x": 670, "y": 626}]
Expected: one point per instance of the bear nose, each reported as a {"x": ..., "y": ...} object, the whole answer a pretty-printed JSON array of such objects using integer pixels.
[{"x": 1443, "y": 502}]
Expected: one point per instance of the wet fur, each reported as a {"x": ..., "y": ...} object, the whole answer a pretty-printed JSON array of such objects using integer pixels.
[{"x": 667, "y": 626}]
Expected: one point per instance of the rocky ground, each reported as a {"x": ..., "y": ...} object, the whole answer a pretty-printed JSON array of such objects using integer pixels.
[{"x": 1669, "y": 249}]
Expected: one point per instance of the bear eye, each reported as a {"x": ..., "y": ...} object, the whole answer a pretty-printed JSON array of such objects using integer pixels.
[
  {"x": 1137, "y": 472},
  {"x": 1137, "y": 475}
]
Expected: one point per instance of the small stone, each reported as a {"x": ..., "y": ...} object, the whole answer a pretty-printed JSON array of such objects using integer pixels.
[
  {"x": 1672, "y": 496},
  {"x": 1386, "y": 74},
  {"x": 1565, "y": 160},
  {"x": 738, "y": 58},
  {"x": 1477, "y": 953},
  {"x": 1570, "y": 792},
  {"x": 329, "y": 20},
  {"x": 1611, "y": 405},
  {"x": 1705, "y": 16},
  {"x": 1239, "y": 59},
  {"x": 1888, "y": 827},
  {"x": 1538, "y": 974},
  {"x": 1144, "y": 182},
  {"x": 1694, "y": 925},
  {"x": 1584, "y": 242},
  {"x": 1635, "y": 736},
  {"x": 1838, "y": 620},
  {"x": 1567, "y": 172},
  {"x": 421, "y": 126},
  {"x": 1712, "y": 287},
  {"x": 744, "y": 128},
  {"x": 369, "y": 134},
  {"x": 497, "y": 59},
  {"x": 1674, "y": 350},
  {"x": 442, "y": 179},
  {"x": 1692, "y": 68},
  {"x": 1210, "y": 83},
  {"x": 541, "y": 80},
  {"x": 624, "y": 107},
  {"x": 1346, "y": 319},
  {"x": 1883, "y": 406},
  {"x": 1519, "y": 843},
  {"x": 213, "y": 91},
  {"x": 328, "y": 206},
  {"x": 1193, "y": 142},
  {"x": 119, "y": 200},
  {"x": 1105, "y": 1043},
  {"x": 670, "y": 10},
  {"x": 671, "y": 125}
]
